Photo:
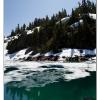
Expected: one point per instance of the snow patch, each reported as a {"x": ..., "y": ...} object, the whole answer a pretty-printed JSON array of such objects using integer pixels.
[
  {"x": 93, "y": 16},
  {"x": 29, "y": 32},
  {"x": 36, "y": 55},
  {"x": 16, "y": 56},
  {"x": 76, "y": 24},
  {"x": 63, "y": 20},
  {"x": 32, "y": 31},
  {"x": 48, "y": 54}
]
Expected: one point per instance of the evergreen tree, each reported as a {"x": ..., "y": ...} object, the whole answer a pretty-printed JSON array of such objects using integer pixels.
[
  {"x": 30, "y": 26},
  {"x": 36, "y": 22},
  {"x": 17, "y": 30},
  {"x": 24, "y": 27},
  {"x": 12, "y": 33},
  {"x": 74, "y": 17},
  {"x": 35, "y": 37}
]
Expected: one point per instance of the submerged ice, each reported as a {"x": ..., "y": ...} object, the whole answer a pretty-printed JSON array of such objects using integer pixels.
[{"x": 38, "y": 74}]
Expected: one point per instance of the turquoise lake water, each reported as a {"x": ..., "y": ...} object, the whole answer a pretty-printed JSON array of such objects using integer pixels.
[{"x": 78, "y": 89}]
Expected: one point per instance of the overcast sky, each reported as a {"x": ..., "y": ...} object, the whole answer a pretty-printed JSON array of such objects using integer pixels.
[{"x": 24, "y": 11}]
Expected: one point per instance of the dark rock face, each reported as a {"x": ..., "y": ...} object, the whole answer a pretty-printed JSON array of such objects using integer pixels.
[
  {"x": 29, "y": 59},
  {"x": 56, "y": 58},
  {"x": 28, "y": 50}
]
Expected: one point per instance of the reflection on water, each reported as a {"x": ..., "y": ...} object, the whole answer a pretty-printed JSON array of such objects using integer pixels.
[{"x": 79, "y": 89}]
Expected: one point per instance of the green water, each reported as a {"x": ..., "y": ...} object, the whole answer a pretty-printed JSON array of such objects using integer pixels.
[{"x": 79, "y": 89}]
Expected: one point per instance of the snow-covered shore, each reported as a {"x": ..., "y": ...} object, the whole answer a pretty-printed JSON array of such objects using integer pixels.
[{"x": 62, "y": 55}]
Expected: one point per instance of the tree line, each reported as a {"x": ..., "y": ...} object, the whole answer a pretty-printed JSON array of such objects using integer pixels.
[{"x": 53, "y": 36}]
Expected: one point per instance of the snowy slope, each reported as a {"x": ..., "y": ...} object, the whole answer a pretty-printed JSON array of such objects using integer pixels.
[
  {"x": 64, "y": 53},
  {"x": 16, "y": 56},
  {"x": 67, "y": 52}
]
